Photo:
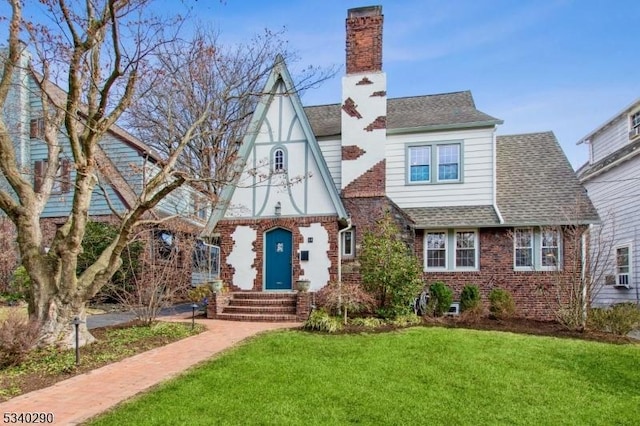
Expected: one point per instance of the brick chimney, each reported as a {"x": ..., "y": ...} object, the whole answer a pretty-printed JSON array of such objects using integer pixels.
[
  {"x": 364, "y": 106},
  {"x": 364, "y": 39}
]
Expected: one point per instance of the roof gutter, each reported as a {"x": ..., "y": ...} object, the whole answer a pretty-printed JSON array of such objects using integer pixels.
[{"x": 470, "y": 125}]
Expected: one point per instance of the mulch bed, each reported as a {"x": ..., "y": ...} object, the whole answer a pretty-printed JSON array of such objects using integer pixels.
[{"x": 512, "y": 325}]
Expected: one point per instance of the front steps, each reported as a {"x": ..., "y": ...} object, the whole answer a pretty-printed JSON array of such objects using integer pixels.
[{"x": 259, "y": 306}]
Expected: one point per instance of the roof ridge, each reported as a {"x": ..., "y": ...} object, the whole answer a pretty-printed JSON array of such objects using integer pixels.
[{"x": 543, "y": 132}]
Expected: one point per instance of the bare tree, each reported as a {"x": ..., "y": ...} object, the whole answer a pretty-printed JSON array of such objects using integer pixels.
[
  {"x": 161, "y": 276},
  {"x": 99, "y": 50},
  {"x": 199, "y": 78},
  {"x": 581, "y": 269},
  {"x": 108, "y": 55}
]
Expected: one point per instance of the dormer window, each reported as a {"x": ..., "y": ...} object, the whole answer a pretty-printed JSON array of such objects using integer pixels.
[{"x": 278, "y": 160}]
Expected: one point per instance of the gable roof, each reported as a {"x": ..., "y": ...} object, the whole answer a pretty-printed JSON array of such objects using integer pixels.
[
  {"x": 429, "y": 112},
  {"x": 536, "y": 184},
  {"x": 278, "y": 74}
]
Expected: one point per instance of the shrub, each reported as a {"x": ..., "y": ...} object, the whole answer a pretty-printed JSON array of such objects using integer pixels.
[
  {"x": 469, "y": 297},
  {"x": 18, "y": 336},
  {"x": 389, "y": 269},
  {"x": 406, "y": 320},
  {"x": 320, "y": 320},
  {"x": 619, "y": 319},
  {"x": 19, "y": 286},
  {"x": 342, "y": 297},
  {"x": 368, "y": 322},
  {"x": 501, "y": 303},
  {"x": 440, "y": 298},
  {"x": 199, "y": 293}
]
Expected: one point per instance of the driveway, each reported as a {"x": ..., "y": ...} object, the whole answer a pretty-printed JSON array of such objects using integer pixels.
[{"x": 104, "y": 320}]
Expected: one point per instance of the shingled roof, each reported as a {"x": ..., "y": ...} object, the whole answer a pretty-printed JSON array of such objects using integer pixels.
[
  {"x": 453, "y": 216},
  {"x": 536, "y": 184},
  {"x": 447, "y": 110}
]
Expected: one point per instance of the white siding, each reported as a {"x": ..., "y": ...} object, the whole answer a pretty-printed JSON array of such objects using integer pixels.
[
  {"x": 610, "y": 139},
  {"x": 332, "y": 153},
  {"x": 616, "y": 195},
  {"x": 477, "y": 173}
]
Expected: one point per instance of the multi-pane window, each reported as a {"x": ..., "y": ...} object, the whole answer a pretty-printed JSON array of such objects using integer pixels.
[
  {"x": 436, "y": 250},
  {"x": 278, "y": 161},
  {"x": 348, "y": 243},
  {"x": 448, "y": 162},
  {"x": 466, "y": 249},
  {"x": 446, "y": 159},
  {"x": 622, "y": 265},
  {"x": 451, "y": 250},
  {"x": 419, "y": 164},
  {"x": 537, "y": 249},
  {"x": 635, "y": 120},
  {"x": 206, "y": 259},
  {"x": 549, "y": 247},
  {"x": 523, "y": 243}
]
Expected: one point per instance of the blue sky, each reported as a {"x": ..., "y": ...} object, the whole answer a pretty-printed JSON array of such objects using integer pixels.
[{"x": 560, "y": 65}]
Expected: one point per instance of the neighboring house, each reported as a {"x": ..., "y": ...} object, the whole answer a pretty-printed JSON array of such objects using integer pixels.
[
  {"x": 612, "y": 179},
  {"x": 476, "y": 208},
  {"x": 124, "y": 165}
]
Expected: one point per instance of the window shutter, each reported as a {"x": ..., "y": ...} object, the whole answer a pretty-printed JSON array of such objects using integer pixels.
[
  {"x": 65, "y": 178},
  {"x": 38, "y": 174},
  {"x": 36, "y": 128}
]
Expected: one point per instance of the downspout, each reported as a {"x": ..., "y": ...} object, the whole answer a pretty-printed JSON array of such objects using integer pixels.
[
  {"x": 494, "y": 181},
  {"x": 583, "y": 275},
  {"x": 342, "y": 231},
  {"x": 348, "y": 228}
]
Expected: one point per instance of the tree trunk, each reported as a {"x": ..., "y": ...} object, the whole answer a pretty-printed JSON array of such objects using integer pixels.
[{"x": 57, "y": 326}]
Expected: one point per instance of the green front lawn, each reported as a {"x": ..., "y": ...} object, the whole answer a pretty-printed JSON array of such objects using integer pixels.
[{"x": 416, "y": 376}]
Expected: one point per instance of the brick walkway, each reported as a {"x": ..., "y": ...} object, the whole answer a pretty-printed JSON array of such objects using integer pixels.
[{"x": 77, "y": 399}]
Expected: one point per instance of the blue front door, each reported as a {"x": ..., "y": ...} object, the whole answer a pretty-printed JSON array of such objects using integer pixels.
[{"x": 278, "y": 259}]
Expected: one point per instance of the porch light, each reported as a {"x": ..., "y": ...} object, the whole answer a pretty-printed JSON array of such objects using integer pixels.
[{"x": 278, "y": 208}]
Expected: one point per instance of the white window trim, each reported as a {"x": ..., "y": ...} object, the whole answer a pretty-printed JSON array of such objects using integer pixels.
[
  {"x": 352, "y": 245},
  {"x": 446, "y": 250},
  {"x": 630, "y": 265},
  {"x": 476, "y": 248},
  {"x": 537, "y": 250},
  {"x": 450, "y": 247},
  {"x": 437, "y": 168},
  {"x": 275, "y": 160},
  {"x": 533, "y": 249},
  {"x": 630, "y": 121},
  {"x": 434, "y": 163},
  {"x": 409, "y": 165}
]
